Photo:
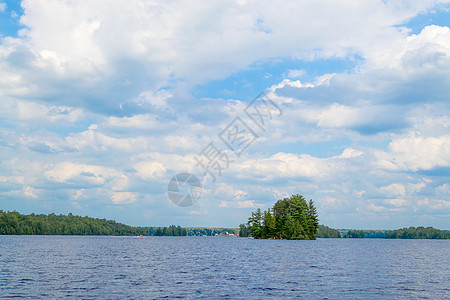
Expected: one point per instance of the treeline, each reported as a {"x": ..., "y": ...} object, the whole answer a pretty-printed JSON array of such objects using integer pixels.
[
  {"x": 16, "y": 223},
  {"x": 172, "y": 230},
  {"x": 355, "y": 234},
  {"x": 205, "y": 231},
  {"x": 327, "y": 232},
  {"x": 418, "y": 233},
  {"x": 361, "y": 234},
  {"x": 290, "y": 218},
  {"x": 403, "y": 233},
  {"x": 190, "y": 231}
]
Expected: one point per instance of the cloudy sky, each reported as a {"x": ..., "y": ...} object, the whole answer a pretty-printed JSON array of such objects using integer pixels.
[{"x": 103, "y": 102}]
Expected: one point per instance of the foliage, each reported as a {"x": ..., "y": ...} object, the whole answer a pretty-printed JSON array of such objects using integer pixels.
[
  {"x": 290, "y": 218},
  {"x": 172, "y": 230},
  {"x": 190, "y": 231},
  {"x": 243, "y": 230},
  {"x": 16, "y": 223},
  {"x": 418, "y": 233},
  {"x": 356, "y": 234},
  {"x": 327, "y": 232},
  {"x": 211, "y": 231},
  {"x": 375, "y": 234}
]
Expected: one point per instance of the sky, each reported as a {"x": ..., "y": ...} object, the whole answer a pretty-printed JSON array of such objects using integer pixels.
[{"x": 104, "y": 102}]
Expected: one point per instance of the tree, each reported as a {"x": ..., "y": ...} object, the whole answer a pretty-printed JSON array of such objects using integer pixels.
[
  {"x": 255, "y": 224},
  {"x": 270, "y": 227},
  {"x": 16, "y": 223},
  {"x": 290, "y": 218},
  {"x": 243, "y": 230},
  {"x": 313, "y": 220},
  {"x": 357, "y": 234},
  {"x": 327, "y": 232}
]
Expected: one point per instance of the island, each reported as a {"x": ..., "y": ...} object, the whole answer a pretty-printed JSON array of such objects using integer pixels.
[{"x": 290, "y": 218}]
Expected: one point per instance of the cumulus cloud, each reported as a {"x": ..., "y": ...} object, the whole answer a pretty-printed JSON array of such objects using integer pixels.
[
  {"x": 99, "y": 102},
  {"x": 162, "y": 43},
  {"x": 415, "y": 153},
  {"x": 78, "y": 174},
  {"x": 295, "y": 73},
  {"x": 123, "y": 197},
  {"x": 380, "y": 95},
  {"x": 395, "y": 189}
]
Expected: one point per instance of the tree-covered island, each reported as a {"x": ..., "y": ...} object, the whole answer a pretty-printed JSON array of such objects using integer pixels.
[{"x": 290, "y": 218}]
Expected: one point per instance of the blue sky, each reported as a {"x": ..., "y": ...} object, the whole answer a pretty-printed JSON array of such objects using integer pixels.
[{"x": 103, "y": 104}]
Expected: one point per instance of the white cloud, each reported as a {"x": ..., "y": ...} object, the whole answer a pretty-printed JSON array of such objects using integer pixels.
[
  {"x": 415, "y": 153},
  {"x": 99, "y": 104},
  {"x": 29, "y": 192},
  {"x": 285, "y": 165},
  {"x": 238, "y": 204},
  {"x": 157, "y": 99},
  {"x": 71, "y": 43},
  {"x": 291, "y": 83},
  {"x": 445, "y": 188},
  {"x": 395, "y": 189},
  {"x": 37, "y": 112},
  {"x": 93, "y": 139},
  {"x": 2, "y": 6},
  {"x": 437, "y": 204},
  {"x": 417, "y": 187},
  {"x": 335, "y": 115},
  {"x": 150, "y": 169},
  {"x": 350, "y": 153},
  {"x": 330, "y": 201},
  {"x": 396, "y": 202},
  {"x": 227, "y": 191},
  {"x": 295, "y": 73},
  {"x": 79, "y": 175},
  {"x": 123, "y": 197}
]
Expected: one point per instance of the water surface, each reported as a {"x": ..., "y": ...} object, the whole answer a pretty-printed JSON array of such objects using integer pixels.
[{"x": 42, "y": 267}]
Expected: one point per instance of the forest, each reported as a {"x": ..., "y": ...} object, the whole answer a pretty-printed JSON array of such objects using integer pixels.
[
  {"x": 190, "y": 231},
  {"x": 14, "y": 223},
  {"x": 52, "y": 224},
  {"x": 418, "y": 233},
  {"x": 290, "y": 218},
  {"x": 172, "y": 230},
  {"x": 327, "y": 232}
]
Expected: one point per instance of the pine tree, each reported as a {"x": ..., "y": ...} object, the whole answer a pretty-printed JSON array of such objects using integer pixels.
[
  {"x": 313, "y": 220},
  {"x": 255, "y": 224}
]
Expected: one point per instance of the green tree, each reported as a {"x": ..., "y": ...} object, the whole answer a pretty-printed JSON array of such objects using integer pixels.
[
  {"x": 255, "y": 224},
  {"x": 243, "y": 230},
  {"x": 290, "y": 218},
  {"x": 327, "y": 232}
]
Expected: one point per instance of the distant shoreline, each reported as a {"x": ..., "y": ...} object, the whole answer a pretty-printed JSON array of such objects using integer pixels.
[{"x": 14, "y": 223}]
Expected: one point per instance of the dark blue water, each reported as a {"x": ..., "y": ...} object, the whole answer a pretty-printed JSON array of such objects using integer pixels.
[{"x": 201, "y": 267}]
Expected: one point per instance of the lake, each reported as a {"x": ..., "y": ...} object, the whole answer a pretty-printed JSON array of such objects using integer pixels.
[{"x": 43, "y": 267}]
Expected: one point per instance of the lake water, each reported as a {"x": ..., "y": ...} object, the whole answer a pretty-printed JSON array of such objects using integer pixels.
[{"x": 222, "y": 267}]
